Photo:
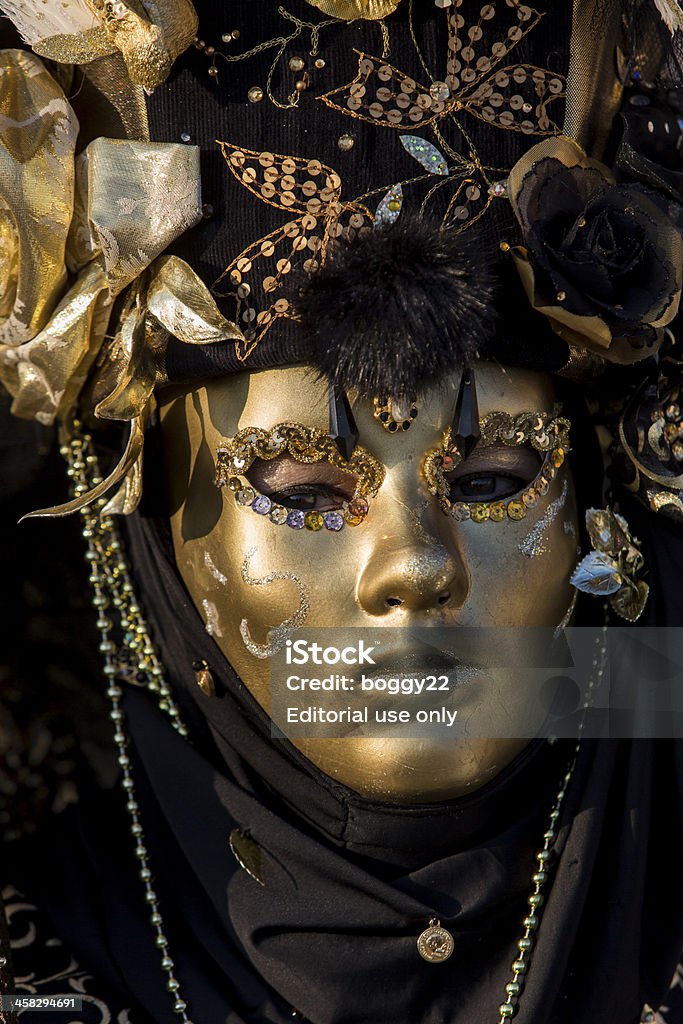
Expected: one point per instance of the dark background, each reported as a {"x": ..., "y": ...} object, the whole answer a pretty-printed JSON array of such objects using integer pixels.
[{"x": 53, "y": 714}]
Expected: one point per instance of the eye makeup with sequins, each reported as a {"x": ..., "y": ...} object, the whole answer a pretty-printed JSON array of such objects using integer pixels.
[
  {"x": 296, "y": 476},
  {"x": 510, "y": 470},
  {"x": 318, "y": 488}
]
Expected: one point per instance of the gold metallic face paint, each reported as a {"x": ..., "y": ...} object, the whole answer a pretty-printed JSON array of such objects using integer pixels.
[{"x": 407, "y": 565}]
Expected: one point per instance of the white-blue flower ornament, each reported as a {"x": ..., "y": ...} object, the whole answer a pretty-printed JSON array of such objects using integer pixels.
[{"x": 611, "y": 570}]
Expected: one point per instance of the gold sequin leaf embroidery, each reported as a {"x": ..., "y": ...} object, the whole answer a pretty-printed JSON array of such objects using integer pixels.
[
  {"x": 309, "y": 194},
  {"x": 515, "y": 97}
]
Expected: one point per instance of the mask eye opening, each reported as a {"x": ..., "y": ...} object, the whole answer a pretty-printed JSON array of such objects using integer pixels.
[
  {"x": 307, "y": 446},
  {"x": 545, "y": 433}
]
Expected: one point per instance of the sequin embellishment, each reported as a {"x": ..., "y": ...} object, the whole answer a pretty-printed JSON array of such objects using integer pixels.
[
  {"x": 307, "y": 445},
  {"x": 545, "y": 434}
]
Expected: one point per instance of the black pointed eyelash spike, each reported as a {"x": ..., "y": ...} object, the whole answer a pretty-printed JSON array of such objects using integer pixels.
[
  {"x": 465, "y": 429},
  {"x": 343, "y": 429}
]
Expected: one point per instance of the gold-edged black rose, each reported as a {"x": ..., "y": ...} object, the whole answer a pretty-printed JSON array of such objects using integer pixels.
[{"x": 602, "y": 261}]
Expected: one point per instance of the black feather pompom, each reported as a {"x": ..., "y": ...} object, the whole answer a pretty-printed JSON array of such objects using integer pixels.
[{"x": 398, "y": 307}]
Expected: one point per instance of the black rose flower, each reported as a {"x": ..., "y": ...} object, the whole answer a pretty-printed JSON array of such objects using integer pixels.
[{"x": 602, "y": 261}]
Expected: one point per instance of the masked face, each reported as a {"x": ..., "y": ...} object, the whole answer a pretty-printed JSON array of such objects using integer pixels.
[{"x": 406, "y": 563}]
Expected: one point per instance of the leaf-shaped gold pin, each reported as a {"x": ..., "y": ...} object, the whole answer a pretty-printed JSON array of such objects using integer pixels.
[
  {"x": 597, "y": 573},
  {"x": 611, "y": 569},
  {"x": 608, "y": 532},
  {"x": 247, "y": 853}
]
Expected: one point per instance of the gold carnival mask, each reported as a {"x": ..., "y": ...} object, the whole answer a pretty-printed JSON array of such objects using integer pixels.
[{"x": 407, "y": 565}]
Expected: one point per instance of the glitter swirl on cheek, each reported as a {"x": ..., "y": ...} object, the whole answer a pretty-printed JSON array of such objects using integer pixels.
[
  {"x": 533, "y": 544},
  {"x": 212, "y": 620},
  {"x": 214, "y": 570},
  {"x": 277, "y": 635}
]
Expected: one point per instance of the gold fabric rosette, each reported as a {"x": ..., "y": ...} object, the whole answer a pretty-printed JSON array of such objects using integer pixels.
[
  {"x": 349, "y": 10},
  {"x": 78, "y": 233},
  {"x": 602, "y": 261},
  {"x": 651, "y": 437},
  {"x": 149, "y": 34}
]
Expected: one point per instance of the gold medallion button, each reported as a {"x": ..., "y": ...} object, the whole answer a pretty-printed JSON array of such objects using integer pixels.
[{"x": 435, "y": 944}]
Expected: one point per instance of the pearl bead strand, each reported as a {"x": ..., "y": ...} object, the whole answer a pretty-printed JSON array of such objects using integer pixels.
[{"x": 137, "y": 662}]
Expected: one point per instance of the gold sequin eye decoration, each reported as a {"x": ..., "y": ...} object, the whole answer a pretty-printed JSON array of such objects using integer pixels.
[
  {"x": 395, "y": 414},
  {"x": 235, "y": 457},
  {"x": 544, "y": 432}
]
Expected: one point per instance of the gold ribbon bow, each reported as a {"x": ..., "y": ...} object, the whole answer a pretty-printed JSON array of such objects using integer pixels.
[{"x": 69, "y": 250}]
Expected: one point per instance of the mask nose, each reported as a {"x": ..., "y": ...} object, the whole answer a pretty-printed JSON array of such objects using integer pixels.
[{"x": 412, "y": 575}]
